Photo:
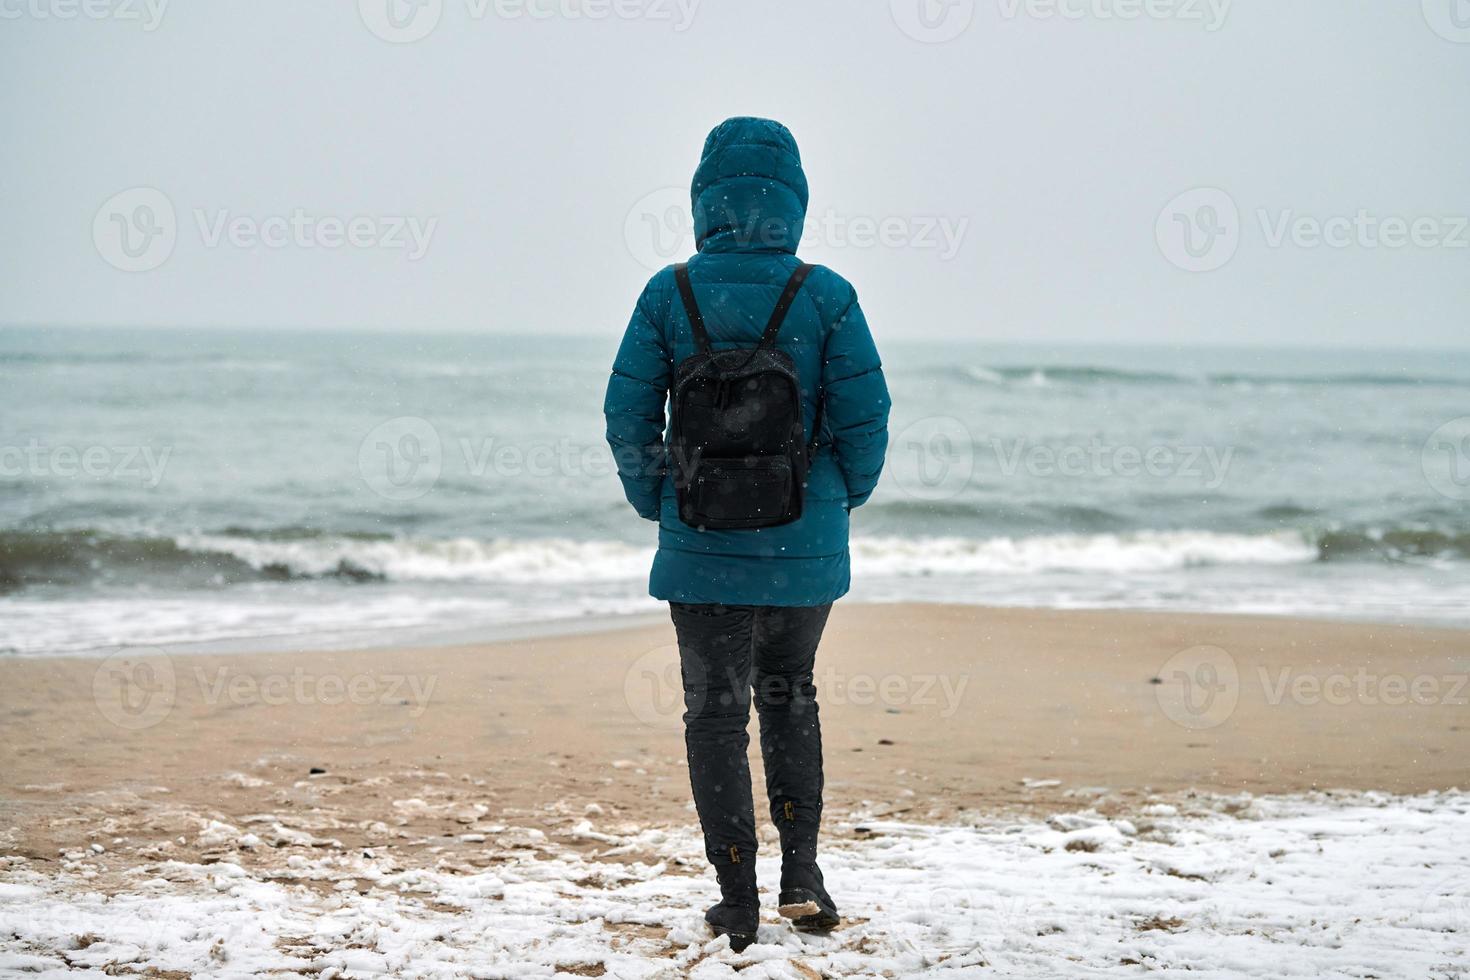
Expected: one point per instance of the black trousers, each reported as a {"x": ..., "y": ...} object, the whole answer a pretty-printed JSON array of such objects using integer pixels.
[{"x": 726, "y": 653}]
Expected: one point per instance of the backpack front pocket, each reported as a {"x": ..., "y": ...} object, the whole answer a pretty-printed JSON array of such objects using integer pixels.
[{"x": 752, "y": 491}]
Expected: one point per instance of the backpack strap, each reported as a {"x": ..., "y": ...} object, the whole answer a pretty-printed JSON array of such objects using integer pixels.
[
  {"x": 696, "y": 319},
  {"x": 817, "y": 422},
  {"x": 773, "y": 329},
  {"x": 793, "y": 286}
]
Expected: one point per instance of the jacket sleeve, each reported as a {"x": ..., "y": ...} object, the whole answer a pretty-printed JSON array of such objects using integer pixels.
[
  {"x": 857, "y": 402},
  {"x": 634, "y": 405}
]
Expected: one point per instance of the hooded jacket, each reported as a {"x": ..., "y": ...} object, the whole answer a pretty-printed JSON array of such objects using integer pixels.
[{"x": 749, "y": 202}]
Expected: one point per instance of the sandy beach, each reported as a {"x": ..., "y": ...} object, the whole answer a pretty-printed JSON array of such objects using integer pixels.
[
  {"x": 927, "y": 711},
  {"x": 1010, "y": 793}
]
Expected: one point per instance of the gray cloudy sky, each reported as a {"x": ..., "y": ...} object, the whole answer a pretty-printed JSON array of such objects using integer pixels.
[{"x": 1093, "y": 170}]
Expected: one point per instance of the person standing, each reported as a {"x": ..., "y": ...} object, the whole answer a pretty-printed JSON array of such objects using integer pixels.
[{"x": 753, "y": 536}]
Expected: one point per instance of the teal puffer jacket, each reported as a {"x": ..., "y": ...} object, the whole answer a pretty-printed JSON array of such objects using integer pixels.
[{"x": 750, "y": 198}]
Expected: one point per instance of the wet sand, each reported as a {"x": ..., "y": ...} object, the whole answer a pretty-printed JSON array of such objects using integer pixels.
[{"x": 929, "y": 712}]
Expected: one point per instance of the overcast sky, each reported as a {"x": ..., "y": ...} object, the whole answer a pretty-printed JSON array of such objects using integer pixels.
[{"x": 978, "y": 170}]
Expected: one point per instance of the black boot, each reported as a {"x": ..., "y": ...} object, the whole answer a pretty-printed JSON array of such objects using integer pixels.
[
  {"x": 804, "y": 899},
  {"x": 738, "y": 912}
]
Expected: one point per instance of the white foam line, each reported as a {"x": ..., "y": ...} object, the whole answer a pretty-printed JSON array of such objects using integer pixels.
[{"x": 566, "y": 561}]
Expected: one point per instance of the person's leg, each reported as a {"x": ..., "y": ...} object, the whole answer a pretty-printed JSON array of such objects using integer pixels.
[
  {"x": 715, "y": 662},
  {"x": 785, "y": 641}
]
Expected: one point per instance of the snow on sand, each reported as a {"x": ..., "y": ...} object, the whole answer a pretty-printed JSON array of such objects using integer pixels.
[{"x": 1322, "y": 886}]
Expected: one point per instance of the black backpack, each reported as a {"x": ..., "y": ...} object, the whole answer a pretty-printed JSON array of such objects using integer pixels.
[{"x": 737, "y": 444}]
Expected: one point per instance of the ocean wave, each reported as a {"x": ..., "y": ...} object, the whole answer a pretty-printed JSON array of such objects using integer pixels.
[
  {"x": 211, "y": 560},
  {"x": 201, "y": 560},
  {"x": 1140, "y": 551},
  {"x": 86, "y": 557},
  {"x": 1041, "y": 375},
  {"x": 1394, "y": 544},
  {"x": 214, "y": 361},
  {"x": 551, "y": 560},
  {"x": 911, "y": 513}
]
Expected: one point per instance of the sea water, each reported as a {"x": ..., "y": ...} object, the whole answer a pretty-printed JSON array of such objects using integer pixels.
[{"x": 345, "y": 488}]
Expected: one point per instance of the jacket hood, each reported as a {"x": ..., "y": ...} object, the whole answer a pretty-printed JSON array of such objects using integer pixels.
[{"x": 749, "y": 192}]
